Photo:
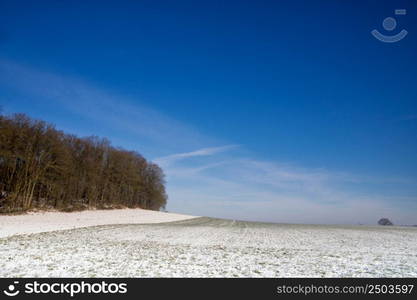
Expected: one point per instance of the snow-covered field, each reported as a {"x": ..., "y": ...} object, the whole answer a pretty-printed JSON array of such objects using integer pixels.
[
  {"x": 35, "y": 222},
  {"x": 205, "y": 247}
]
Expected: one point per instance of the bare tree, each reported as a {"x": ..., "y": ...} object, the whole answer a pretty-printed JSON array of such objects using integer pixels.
[{"x": 41, "y": 167}]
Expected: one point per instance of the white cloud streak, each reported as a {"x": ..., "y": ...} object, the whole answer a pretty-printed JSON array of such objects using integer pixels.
[
  {"x": 100, "y": 107},
  {"x": 243, "y": 188},
  {"x": 166, "y": 160}
]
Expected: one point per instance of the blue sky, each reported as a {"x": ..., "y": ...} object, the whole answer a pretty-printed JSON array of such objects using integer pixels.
[{"x": 283, "y": 111}]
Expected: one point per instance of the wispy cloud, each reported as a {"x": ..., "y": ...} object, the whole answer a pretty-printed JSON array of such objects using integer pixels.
[
  {"x": 200, "y": 152},
  {"x": 100, "y": 107},
  {"x": 245, "y": 188}
]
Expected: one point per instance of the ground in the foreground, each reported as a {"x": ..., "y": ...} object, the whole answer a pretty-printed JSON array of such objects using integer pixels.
[{"x": 205, "y": 247}]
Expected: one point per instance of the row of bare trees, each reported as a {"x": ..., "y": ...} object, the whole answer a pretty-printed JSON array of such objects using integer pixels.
[{"x": 42, "y": 167}]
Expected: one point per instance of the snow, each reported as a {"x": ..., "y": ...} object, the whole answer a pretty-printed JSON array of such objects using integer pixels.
[
  {"x": 205, "y": 247},
  {"x": 36, "y": 222}
]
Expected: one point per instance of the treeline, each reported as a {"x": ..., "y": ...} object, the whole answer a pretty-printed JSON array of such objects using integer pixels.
[{"x": 42, "y": 167}]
